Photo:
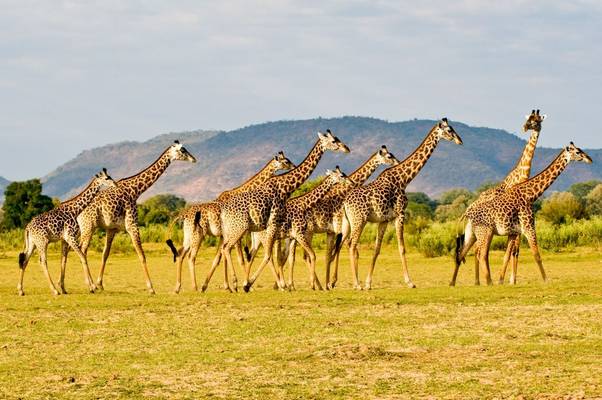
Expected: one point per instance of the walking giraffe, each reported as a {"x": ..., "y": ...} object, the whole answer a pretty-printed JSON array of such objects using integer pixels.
[
  {"x": 60, "y": 224},
  {"x": 327, "y": 214},
  {"x": 115, "y": 209},
  {"x": 294, "y": 225},
  {"x": 519, "y": 174},
  {"x": 384, "y": 200},
  {"x": 200, "y": 220},
  {"x": 511, "y": 213},
  {"x": 262, "y": 208}
]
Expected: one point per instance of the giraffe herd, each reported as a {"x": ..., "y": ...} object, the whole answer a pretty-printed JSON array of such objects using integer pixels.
[{"x": 262, "y": 208}]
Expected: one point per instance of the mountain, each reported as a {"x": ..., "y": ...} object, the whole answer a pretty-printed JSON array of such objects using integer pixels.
[{"x": 225, "y": 159}]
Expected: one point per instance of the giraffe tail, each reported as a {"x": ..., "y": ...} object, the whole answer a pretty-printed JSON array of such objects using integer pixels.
[
  {"x": 22, "y": 255},
  {"x": 337, "y": 245}
]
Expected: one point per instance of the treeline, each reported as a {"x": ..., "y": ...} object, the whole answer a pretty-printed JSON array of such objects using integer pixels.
[{"x": 564, "y": 219}]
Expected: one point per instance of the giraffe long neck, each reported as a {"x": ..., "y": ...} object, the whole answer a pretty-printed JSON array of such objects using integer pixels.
[
  {"x": 139, "y": 183},
  {"x": 76, "y": 205},
  {"x": 522, "y": 171},
  {"x": 254, "y": 182},
  {"x": 534, "y": 187},
  {"x": 407, "y": 170},
  {"x": 311, "y": 198},
  {"x": 358, "y": 177},
  {"x": 287, "y": 183}
]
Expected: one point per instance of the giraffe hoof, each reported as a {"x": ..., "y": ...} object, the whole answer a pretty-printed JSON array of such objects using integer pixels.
[
  {"x": 56, "y": 293},
  {"x": 151, "y": 291},
  {"x": 452, "y": 284},
  {"x": 21, "y": 293},
  {"x": 246, "y": 288},
  {"x": 411, "y": 285}
]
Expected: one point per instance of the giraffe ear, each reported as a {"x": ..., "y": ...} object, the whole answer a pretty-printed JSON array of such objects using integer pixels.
[
  {"x": 328, "y": 172},
  {"x": 176, "y": 141},
  {"x": 321, "y": 135}
]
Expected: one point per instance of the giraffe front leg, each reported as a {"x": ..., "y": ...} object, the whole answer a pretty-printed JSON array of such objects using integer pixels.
[
  {"x": 484, "y": 237},
  {"x": 72, "y": 242},
  {"x": 42, "y": 249},
  {"x": 110, "y": 235},
  {"x": 192, "y": 253},
  {"x": 402, "y": 251},
  {"x": 64, "y": 253},
  {"x": 214, "y": 264},
  {"x": 131, "y": 226},
  {"x": 382, "y": 226},
  {"x": 508, "y": 258},
  {"x": 183, "y": 253},
  {"x": 528, "y": 228},
  {"x": 516, "y": 252}
]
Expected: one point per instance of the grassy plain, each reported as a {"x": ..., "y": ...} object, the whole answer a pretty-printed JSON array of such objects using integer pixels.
[{"x": 533, "y": 340}]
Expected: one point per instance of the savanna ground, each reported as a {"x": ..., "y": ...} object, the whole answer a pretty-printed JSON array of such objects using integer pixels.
[{"x": 533, "y": 340}]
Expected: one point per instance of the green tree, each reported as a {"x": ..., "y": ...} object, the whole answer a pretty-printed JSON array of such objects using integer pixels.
[
  {"x": 453, "y": 211},
  {"x": 581, "y": 189},
  {"x": 594, "y": 201},
  {"x": 159, "y": 209},
  {"x": 23, "y": 201},
  {"x": 561, "y": 207},
  {"x": 451, "y": 195},
  {"x": 420, "y": 205}
]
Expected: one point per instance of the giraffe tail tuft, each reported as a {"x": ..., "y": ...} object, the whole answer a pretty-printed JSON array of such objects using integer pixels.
[
  {"x": 247, "y": 253},
  {"x": 173, "y": 249},
  {"x": 337, "y": 244},
  {"x": 22, "y": 258},
  {"x": 459, "y": 246}
]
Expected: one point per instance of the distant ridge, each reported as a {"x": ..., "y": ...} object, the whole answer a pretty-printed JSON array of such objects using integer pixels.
[{"x": 225, "y": 159}]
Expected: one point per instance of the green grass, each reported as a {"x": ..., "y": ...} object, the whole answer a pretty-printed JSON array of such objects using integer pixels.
[{"x": 534, "y": 340}]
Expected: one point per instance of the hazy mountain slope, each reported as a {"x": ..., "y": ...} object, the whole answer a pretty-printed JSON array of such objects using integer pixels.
[
  {"x": 228, "y": 158},
  {"x": 3, "y": 184}
]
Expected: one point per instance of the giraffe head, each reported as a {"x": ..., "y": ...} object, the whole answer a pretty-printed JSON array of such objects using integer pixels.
[
  {"x": 178, "y": 152},
  {"x": 104, "y": 180},
  {"x": 533, "y": 121},
  {"x": 444, "y": 130},
  {"x": 331, "y": 142},
  {"x": 337, "y": 176},
  {"x": 281, "y": 163},
  {"x": 574, "y": 153},
  {"x": 385, "y": 157}
]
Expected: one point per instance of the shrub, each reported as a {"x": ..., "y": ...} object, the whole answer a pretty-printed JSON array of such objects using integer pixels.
[
  {"x": 593, "y": 201},
  {"x": 159, "y": 209},
  {"x": 561, "y": 207},
  {"x": 22, "y": 202}
]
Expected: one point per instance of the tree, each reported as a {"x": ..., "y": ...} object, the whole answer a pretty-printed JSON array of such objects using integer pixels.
[
  {"x": 23, "y": 201},
  {"x": 420, "y": 205},
  {"x": 561, "y": 207},
  {"x": 453, "y": 211},
  {"x": 594, "y": 201},
  {"x": 581, "y": 189},
  {"x": 159, "y": 209},
  {"x": 451, "y": 195}
]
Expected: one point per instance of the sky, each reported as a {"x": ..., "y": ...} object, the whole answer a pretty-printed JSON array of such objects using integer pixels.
[{"x": 76, "y": 75}]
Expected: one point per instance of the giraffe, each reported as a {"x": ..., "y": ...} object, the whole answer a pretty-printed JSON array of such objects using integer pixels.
[
  {"x": 262, "y": 209},
  {"x": 203, "y": 219},
  {"x": 511, "y": 213},
  {"x": 60, "y": 224},
  {"x": 326, "y": 216},
  {"x": 384, "y": 200},
  {"x": 295, "y": 221},
  {"x": 518, "y": 174},
  {"x": 115, "y": 209}
]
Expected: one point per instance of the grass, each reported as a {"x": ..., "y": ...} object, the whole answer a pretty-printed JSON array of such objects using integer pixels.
[{"x": 533, "y": 340}]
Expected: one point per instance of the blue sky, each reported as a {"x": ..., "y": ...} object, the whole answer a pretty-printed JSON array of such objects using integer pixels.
[{"x": 74, "y": 75}]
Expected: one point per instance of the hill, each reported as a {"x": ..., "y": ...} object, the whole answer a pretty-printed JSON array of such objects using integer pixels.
[{"x": 227, "y": 158}]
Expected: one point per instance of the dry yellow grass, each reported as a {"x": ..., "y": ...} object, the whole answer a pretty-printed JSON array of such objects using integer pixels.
[{"x": 534, "y": 340}]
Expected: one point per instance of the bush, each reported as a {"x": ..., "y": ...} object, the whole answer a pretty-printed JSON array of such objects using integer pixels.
[
  {"x": 159, "y": 209},
  {"x": 593, "y": 201},
  {"x": 561, "y": 207}
]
